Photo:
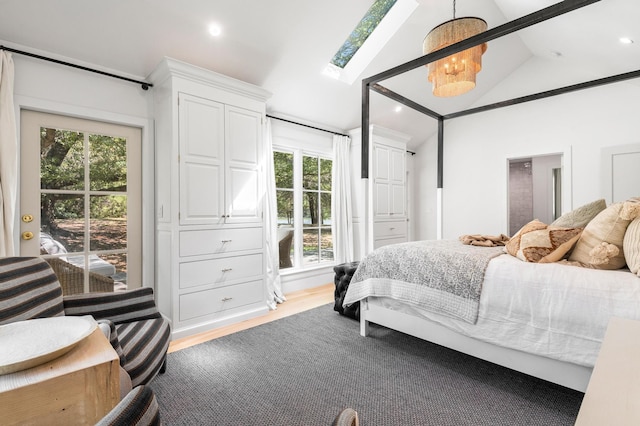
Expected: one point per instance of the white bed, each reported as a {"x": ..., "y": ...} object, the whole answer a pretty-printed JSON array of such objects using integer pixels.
[{"x": 546, "y": 320}]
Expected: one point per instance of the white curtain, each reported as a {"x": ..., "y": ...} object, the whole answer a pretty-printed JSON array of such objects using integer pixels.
[
  {"x": 8, "y": 155},
  {"x": 342, "y": 222},
  {"x": 274, "y": 284}
]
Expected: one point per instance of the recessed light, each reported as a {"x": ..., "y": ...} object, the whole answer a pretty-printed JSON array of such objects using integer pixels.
[
  {"x": 625, "y": 40},
  {"x": 398, "y": 108},
  {"x": 215, "y": 30}
]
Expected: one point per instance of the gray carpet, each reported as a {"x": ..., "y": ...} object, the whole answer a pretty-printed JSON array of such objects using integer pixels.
[{"x": 302, "y": 370}]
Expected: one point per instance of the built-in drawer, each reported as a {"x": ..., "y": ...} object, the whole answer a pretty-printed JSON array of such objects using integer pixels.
[
  {"x": 390, "y": 228},
  {"x": 208, "y": 302},
  {"x": 213, "y": 241},
  {"x": 377, "y": 243},
  {"x": 220, "y": 271}
]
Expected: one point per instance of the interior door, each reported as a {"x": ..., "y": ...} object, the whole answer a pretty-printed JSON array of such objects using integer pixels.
[
  {"x": 81, "y": 197},
  {"x": 621, "y": 173}
]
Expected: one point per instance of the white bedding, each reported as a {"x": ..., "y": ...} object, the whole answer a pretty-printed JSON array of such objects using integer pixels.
[{"x": 554, "y": 310}]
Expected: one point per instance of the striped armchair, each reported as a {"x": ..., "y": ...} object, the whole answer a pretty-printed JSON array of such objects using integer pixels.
[
  {"x": 138, "y": 408},
  {"x": 140, "y": 335}
]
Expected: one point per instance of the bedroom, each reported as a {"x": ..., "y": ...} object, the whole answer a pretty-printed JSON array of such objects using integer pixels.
[{"x": 578, "y": 125}]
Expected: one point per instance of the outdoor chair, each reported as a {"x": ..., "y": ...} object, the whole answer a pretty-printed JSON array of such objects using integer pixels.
[
  {"x": 71, "y": 278},
  {"x": 139, "y": 334}
]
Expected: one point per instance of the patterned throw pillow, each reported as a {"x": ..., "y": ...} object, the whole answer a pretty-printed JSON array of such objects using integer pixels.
[
  {"x": 631, "y": 246},
  {"x": 536, "y": 242},
  {"x": 580, "y": 217},
  {"x": 600, "y": 245}
]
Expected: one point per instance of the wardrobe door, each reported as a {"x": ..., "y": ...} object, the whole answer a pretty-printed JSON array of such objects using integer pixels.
[
  {"x": 201, "y": 123},
  {"x": 243, "y": 154}
]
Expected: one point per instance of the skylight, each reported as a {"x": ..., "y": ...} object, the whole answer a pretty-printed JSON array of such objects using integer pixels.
[
  {"x": 363, "y": 30},
  {"x": 378, "y": 25}
]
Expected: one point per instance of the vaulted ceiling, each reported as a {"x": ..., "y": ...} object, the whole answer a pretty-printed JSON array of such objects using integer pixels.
[{"x": 283, "y": 46}]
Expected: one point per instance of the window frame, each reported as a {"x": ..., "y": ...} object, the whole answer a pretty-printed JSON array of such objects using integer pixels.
[{"x": 298, "y": 213}]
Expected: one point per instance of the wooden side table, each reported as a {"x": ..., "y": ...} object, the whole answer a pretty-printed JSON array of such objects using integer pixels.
[
  {"x": 613, "y": 393},
  {"x": 78, "y": 388}
]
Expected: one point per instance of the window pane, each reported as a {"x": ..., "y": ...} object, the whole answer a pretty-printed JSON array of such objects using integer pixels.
[
  {"x": 310, "y": 252},
  {"x": 283, "y": 168},
  {"x": 310, "y": 208},
  {"x": 325, "y": 208},
  {"x": 285, "y": 207},
  {"x": 62, "y": 223},
  {"x": 108, "y": 222},
  {"x": 309, "y": 172},
  {"x": 326, "y": 245},
  {"x": 107, "y": 163},
  {"x": 120, "y": 263},
  {"x": 325, "y": 174},
  {"x": 61, "y": 159}
]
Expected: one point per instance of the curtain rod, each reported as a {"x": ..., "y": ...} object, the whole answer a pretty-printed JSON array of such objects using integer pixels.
[
  {"x": 317, "y": 128},
  {"x": 306, "y": 125},
  {"x": 144, "y": 84}
]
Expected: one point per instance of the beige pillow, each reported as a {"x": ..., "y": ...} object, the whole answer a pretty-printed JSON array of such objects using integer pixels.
[
  {"x": 539, "y": 243},
  {"x": 631, "y": 246},
  {"x": 600, "y": 245},
  {"x": 580, "y": 217}
]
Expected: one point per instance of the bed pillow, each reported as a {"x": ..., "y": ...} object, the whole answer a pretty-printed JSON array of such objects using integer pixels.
[
  {"x": 631, "y": 246},
  {"x": 580, "y": 217},
  {"x": 536, "y": 242},
  {"x": 600, "y": 245}
]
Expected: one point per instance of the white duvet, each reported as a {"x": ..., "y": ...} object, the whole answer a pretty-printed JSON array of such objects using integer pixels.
[{"x": 554, "y": 310}]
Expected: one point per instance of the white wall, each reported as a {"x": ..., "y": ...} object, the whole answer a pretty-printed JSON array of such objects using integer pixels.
[
  {"x": 48, "y": 87},
  {"x": 577, "y": 125}
]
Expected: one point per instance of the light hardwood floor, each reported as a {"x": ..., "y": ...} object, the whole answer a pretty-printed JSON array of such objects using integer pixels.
[{"x": 296, "y": 302}]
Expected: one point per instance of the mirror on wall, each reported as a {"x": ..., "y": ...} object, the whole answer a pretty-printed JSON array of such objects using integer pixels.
[{"x": 535, "y": 190}]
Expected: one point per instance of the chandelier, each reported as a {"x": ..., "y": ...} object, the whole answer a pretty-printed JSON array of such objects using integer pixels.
[{"x": 455, "y": 74}]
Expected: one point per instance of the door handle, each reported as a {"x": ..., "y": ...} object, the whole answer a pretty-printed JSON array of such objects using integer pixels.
[
  {"x": 27, "y": 235},
  {"x": 26, "y": 218}
]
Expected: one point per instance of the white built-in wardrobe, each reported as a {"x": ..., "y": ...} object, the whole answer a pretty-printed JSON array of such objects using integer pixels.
[
  {"x": 210, "y": 256},
  {"x": 379, "y": 202}
]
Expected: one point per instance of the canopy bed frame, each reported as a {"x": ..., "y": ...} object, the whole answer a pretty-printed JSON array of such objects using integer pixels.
[{"x": 371, "y": 310}]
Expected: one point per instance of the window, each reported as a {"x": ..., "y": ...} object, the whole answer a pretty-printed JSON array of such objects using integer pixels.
[
  {"x": 361, "y": 32},
  {"x": 303, "y": 192},
  {"x": 375, "y": 29}
]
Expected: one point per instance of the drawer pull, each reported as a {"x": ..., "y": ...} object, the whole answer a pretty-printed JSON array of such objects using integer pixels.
[
  {"x": 391, "y": 229},
  {"x": 227, "y": 269},
  {"x": 226, "y": 299},
  {"x": 226, "y": 241}
]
